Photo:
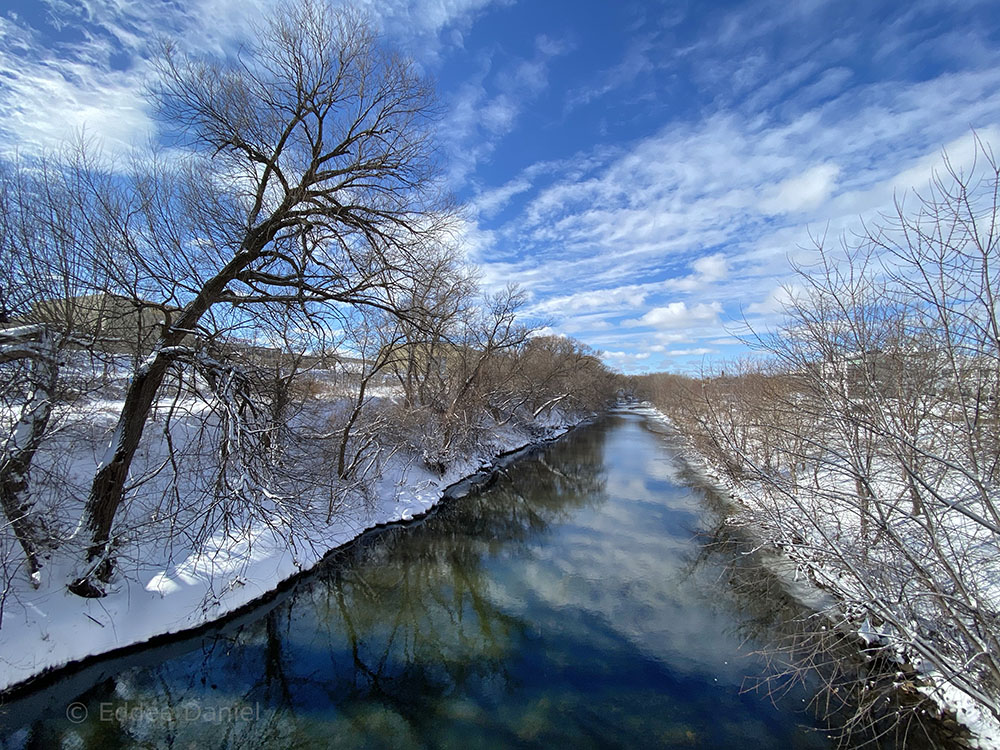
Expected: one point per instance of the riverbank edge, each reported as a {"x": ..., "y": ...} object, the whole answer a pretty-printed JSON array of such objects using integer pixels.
[
  {"x": 464, "y": 486},
  {"x": 734, "y": 492}
]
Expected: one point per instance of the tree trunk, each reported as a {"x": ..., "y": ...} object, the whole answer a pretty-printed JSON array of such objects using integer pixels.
[
  {"x": 109, "y": 483},
  {"x": 910, "y": 467},
  {"x": 107, "y": 490},
  {"x": 15, "y": 461},
  {"x": 346, "y": 434}
]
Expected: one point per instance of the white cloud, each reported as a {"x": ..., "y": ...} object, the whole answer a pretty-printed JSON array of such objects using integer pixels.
[
  {"x": 679, "y": 315},
  {"x": 804, "y": 191},
  {"x": 586, "y": 324},
  {"x": 475, "y": 242},
  {"x": 41, "y": 111},
  {"x": 52, "y": 95},
  {"x": 713, "y": 267},
  {"x": 777, "y": 300},
  {"x": 700, "y": 351},
  {"x": 488, "y": 202},
  {"x": 487, "y": 107},
  {"x": 705, "y": 270},
  {"x": 637, "y": 61},
  {"x": 497, "y": 116},
  {"x": 611, "y": 301},
  {"x": 628, "y": 362},
  {"x": 626, "y": 355},
  {"x": 547, "y": 331}
]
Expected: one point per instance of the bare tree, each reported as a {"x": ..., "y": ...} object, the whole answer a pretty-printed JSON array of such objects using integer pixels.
[
  {"x": 487, "y": 331},
  {"x": 441, "y": 297},
  {"x": 43, "y": 323},
  {"x": 548, "y": 372},
  {"x": 883, "y": 480},
  {"x": 307, "y": 183},
  {"x": 381, "y": 345}
]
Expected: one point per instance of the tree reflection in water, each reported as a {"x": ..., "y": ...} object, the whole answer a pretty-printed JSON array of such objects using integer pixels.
[
  {"x": 778, "y": 610},
  {"x": 384, "y": 632}
]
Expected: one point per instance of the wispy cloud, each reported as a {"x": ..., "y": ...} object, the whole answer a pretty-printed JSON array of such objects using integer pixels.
[
  {"x": 639, "y": 59},
  {"x": 614, "y": 301},
  {"x": 80, "y": 66},
  {"x": 730, "y": 136},
  {"x": 51, "y": 93},
  {"x": 487, "y": 106},
  {"x": 709, "y": 211},
  {"x": 801, "y": 192}
]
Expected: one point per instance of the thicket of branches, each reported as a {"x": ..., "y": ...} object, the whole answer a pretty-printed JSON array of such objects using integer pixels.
[
  {"x": 870, "y": 432},
  {"x": 462, "y": 369},
  {"x": 191, "y": 311}
]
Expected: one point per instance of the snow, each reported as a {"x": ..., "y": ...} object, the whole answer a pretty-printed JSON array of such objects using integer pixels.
[
  {"x": 984, "y": 728},
  {"x": 802, "y": 551},
  {"x": 109, "y": 453},
  {"x": 170, "y": 588}
]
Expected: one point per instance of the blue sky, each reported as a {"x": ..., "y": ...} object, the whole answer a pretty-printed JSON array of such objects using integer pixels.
[{"x": 646, "y": 170}]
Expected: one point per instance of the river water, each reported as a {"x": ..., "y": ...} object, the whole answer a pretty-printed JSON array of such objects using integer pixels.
[{"x": 593, "y": 597}]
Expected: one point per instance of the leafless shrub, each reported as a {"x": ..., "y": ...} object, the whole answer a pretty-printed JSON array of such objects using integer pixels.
[{"x": 868, "y": 438}]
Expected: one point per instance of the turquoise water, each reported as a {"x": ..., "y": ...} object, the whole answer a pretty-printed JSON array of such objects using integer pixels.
[{"x": 588, "y": 599}]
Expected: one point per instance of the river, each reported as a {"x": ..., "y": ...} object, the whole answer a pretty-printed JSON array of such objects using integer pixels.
[{"x": 592, "y": 597}]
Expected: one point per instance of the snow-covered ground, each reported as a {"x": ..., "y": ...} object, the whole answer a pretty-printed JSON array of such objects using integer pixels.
[
  {"x": 765, "y": 510},
  {"x": 168, "y": 587}
]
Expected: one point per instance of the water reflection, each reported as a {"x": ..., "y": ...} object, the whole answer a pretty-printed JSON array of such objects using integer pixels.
[{"x": 574, "y": 603}]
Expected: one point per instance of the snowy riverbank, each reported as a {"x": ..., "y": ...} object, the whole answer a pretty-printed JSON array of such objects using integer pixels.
[
  {"x": 47, "y": 628},
  {"x": 756, "y": 506}
]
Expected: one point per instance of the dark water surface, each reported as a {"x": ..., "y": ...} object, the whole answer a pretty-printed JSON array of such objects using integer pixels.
[{"x": 583, "y": 601}]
